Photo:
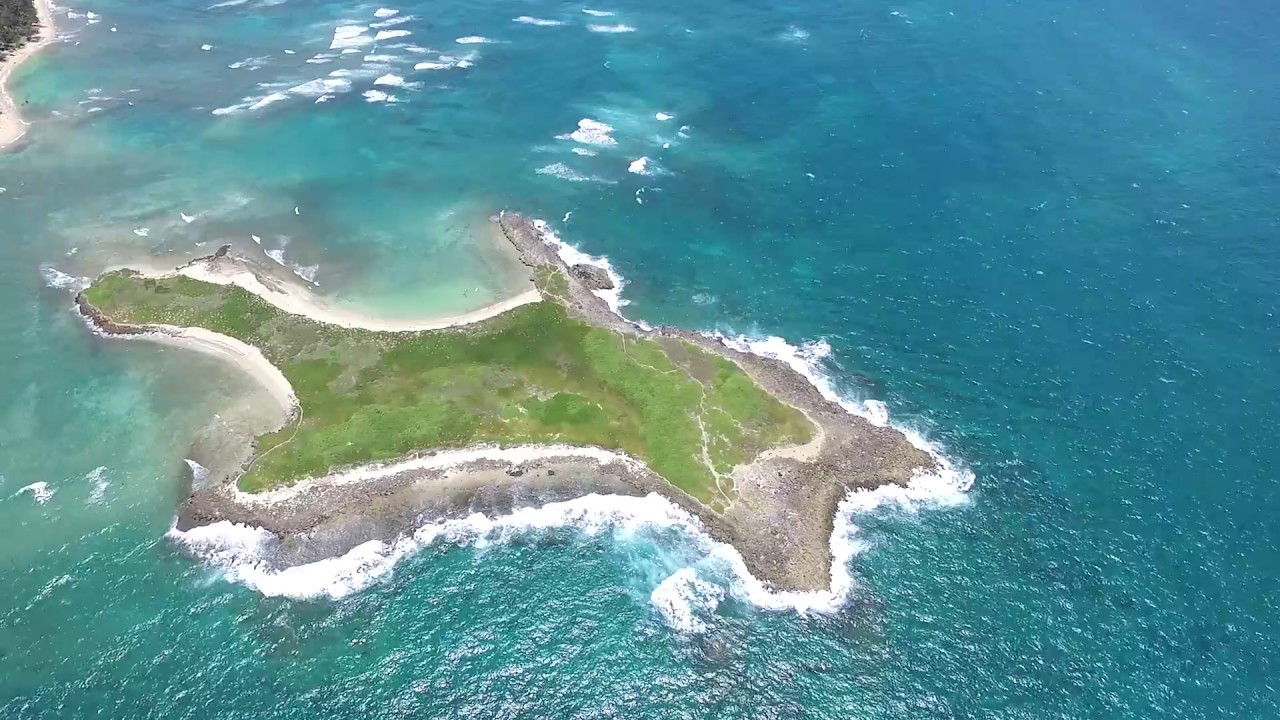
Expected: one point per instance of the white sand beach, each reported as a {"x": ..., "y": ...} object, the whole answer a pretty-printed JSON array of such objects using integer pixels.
[
  {"x": 12, "y": 126},
  {"x": 298, "y": 300}
]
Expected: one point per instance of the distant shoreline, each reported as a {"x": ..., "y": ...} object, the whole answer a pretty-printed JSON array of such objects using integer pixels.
[{"x": 12, "y": 126}]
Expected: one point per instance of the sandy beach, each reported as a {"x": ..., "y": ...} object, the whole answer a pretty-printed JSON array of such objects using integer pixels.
[
  {"x": 298, "y": 300},
  {"x": 12, "y": 126}
]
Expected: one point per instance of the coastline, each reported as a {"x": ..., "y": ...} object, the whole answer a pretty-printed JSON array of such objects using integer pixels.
[
  {"x": 297, "y": 300},
  {"x": 781, "y": 520},
  {"x": 245, "y": 357},
  {"x": 12, "y": 126}
]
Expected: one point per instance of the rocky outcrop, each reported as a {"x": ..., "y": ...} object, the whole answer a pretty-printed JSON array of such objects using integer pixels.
[{"x": 595, "y": 278}]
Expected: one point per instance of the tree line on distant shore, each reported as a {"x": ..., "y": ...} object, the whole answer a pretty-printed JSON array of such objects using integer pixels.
[{"x": 18, "y": 24}]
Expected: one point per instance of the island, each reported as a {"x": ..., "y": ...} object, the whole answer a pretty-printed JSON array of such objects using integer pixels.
[{"x": 552, "y": 396}]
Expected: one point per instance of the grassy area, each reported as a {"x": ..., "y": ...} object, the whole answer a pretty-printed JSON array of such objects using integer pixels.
[{"x": 531, "y": 375}]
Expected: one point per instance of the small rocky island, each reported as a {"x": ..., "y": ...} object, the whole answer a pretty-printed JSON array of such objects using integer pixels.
[{"x": 744, "y": 443}]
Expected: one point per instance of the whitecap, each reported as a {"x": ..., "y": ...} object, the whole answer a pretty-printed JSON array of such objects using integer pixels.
[
  {"x": 385, "y": 13},
  {"x": 683, "y": 597},
  {"x": 390, "y": 35},
  {"x": 40, "y": 491},
  {"x": 277, "y": 255},
  {"x": 142, "y": 232},
  {"x": 585, "y": 152},
  {"x": 321, "y": 86},
  {"x": 98, "y": 476},
  {"x": 598, "y": 13},
  {"x": 250, "y": 104},
  {"x": 638, "y": 166},
  {"x": 564, "y": 172},
  {"x": 377, "y": 96},
  {"x": 591, "y": 132},
  {"x": 391, "y": 81},
  {"x": 539, "y": 22},
  {"x": 392, "y": 22},
  {"x": 227, "y": 3},
  {"x": 349, "y": 37},
  {"x": 250, "y": 63},
  {"x": 188, "y": 219},
  {"x": 794, "y": 33},
  {"x": 206, "y": 47},
  {"x": 611, "y": 29},
  {"x": 662, "y": 116},
  {"x": 475, "y": 40}
]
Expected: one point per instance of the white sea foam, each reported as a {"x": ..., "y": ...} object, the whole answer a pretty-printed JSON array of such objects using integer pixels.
[
  {"x": 390, "y": 35},
  {"x": 347, "y": 37},
  {"x": 475, "y": 40},
  {"x": 564, "y": 172},
  {"x": 392, "y": 22},
  {"x": 40, "y": 491},
  {"x": 540, "y": 22},
  {"x": 277, "y": 254},
  {"x": 188, "y": 219},
  {"x": 250, "y": 104},
  {"x": 683, "y": 596},
  {"x": 639, "y": 166},
  {"x": 199, "y": 473},
  {"x": 591, "y": 132},
  {"x": 377, "y": 96},
  {"x": 444, "y": 62},
  {"x": 795, "y": 33},
  {"x": 206, "y": 47},
  {"x": 380, "y": 58},
  {"x": 611, "y": 29},
  {"x": 598, "y": 13},
  {"x": 98, "y": 476},
  {"x": 573, "y": 256},
  {"x": 240, "y": 551},
  {"x": 585, "y": 152},
  {"x": 58, "y": 280},
  {"x": 385, "y": 13},
  {"x": 393, "y": 81},
  {"x": 250, "y": 63},
  {"x": 321, "y": 86}
]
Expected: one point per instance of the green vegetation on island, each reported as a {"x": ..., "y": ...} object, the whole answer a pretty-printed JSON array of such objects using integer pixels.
[
  {"x": 19, "y": 23},
  {"x": 534, "y": 374}
]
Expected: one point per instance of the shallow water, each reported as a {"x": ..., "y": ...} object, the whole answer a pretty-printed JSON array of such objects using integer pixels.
[{"x": 1043, "y": 237}]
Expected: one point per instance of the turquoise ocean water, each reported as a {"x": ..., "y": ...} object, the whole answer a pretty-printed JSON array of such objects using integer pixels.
[{"x": 1042, "y": 234}]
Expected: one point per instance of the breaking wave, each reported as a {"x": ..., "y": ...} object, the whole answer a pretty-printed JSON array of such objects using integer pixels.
[{"x": 539, "y": 22}]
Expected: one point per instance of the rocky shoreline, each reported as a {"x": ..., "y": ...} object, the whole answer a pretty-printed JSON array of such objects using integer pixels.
[{"x": 780, "y": 521}]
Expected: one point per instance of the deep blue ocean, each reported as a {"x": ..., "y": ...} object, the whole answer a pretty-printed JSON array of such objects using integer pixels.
[{"x": 1043, "y": 235}]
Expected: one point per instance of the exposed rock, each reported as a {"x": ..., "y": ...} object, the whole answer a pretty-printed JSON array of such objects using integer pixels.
[{"x": 595, "y": 278}]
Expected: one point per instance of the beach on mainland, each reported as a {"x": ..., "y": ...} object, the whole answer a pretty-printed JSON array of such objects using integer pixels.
[{"x": 12, "y": 126}]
